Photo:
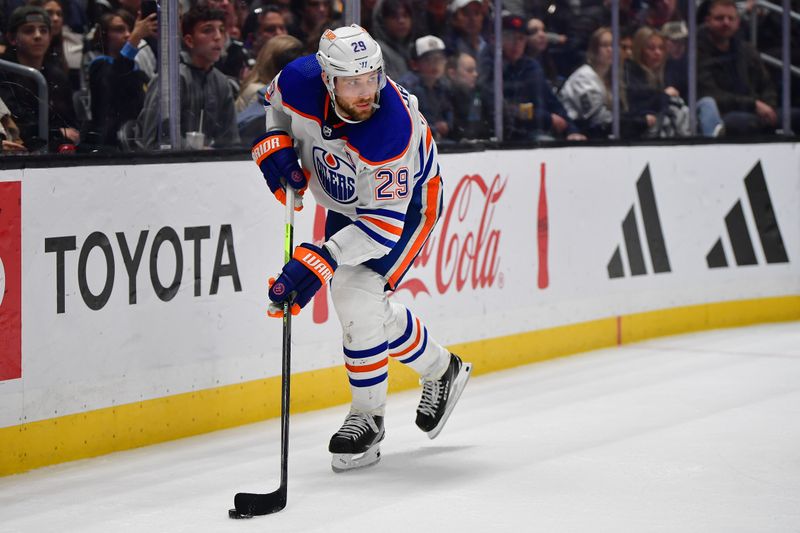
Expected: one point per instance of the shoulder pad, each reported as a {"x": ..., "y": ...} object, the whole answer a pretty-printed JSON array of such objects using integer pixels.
[
  {"x": 386, "y": 135},
  {"x": 301, "y": 87}
]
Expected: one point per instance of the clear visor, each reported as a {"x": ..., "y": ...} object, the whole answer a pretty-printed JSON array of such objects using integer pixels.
[{"x": 363, "y": 85}]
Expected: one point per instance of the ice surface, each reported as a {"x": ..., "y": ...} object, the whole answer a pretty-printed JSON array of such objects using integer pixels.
[{"x": 691, "y": 433}]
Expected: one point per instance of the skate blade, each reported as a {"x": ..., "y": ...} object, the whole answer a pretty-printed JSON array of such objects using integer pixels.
[
  {"x": 458, "y": 387},
  {"x": 343, "y": 462}
]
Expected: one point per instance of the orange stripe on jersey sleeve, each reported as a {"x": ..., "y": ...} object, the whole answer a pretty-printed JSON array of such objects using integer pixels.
[
  {"x": 385, "y": 226},
  {"x": 433, "y": 186}
]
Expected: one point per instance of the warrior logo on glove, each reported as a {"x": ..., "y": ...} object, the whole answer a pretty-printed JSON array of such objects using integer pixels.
[
  {"x": 317, "y": 265},
  {"x": 310, "y": 268},
  {"x": 274, "y": 154}
]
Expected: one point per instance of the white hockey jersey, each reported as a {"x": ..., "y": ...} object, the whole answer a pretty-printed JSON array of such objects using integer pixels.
[{"x": 381, "y": 173}]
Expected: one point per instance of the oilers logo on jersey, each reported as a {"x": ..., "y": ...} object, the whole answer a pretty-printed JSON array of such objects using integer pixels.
[{"x": 336, "y": 176}]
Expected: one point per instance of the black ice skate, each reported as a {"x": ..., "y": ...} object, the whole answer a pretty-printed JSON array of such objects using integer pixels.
[
  {"x": 356, "y": 444},
  {"x": 439, "y": 396}
]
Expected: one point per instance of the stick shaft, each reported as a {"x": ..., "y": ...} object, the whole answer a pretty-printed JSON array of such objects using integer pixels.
[{"x": 288, "y": 247}]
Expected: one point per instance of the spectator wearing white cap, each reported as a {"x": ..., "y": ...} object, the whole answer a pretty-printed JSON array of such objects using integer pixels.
[
  {"x": 676, "y": 68},
  {"x": 709, "y": 120},
  {"x": 467, "y": 17},
  {"x": 426, "y": 81}
]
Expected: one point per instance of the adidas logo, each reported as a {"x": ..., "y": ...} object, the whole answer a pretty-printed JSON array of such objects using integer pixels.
[
  {"x": 630, "y": 232},
  {"x": 739, "y": 234}
]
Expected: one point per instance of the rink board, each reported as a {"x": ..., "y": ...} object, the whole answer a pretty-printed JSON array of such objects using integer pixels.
[{"x": 133, "y": 307}]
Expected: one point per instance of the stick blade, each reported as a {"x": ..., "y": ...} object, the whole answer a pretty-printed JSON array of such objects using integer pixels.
[{"x": 248, "y": 505}]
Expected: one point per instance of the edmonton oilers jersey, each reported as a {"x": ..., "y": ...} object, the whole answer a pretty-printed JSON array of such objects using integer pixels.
[{"x": 369, "y": 171}]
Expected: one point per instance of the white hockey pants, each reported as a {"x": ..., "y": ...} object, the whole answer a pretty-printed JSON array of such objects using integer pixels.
[{"x": 374, "y": 329}]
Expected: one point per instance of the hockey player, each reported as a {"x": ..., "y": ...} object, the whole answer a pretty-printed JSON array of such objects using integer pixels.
[{"x": 367, "y": 156}]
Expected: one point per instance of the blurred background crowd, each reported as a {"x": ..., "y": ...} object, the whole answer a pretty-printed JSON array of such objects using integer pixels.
[{"x": 100, "y": 58}]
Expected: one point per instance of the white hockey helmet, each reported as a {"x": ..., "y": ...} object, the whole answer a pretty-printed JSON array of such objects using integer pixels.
[{"x": 349, "y": 51}]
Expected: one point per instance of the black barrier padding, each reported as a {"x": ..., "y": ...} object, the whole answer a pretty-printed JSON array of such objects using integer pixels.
[{"x": 75, "y": 159}]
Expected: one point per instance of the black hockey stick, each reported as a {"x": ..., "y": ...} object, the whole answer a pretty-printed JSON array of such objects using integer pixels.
[{"x": 248, "y": 505}]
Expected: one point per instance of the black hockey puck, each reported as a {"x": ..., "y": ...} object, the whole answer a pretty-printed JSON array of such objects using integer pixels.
[{"x": 236, "y": 515}]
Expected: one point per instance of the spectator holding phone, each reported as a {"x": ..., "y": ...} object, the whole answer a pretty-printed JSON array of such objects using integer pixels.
[{"x": 117, "y": 86}]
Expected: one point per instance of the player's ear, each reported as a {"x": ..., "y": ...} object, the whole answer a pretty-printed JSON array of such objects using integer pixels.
[{"x": 188, "y": 40}]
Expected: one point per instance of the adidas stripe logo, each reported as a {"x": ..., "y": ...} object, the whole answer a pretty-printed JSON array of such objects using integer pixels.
[
  {"x": 766, "y": 225},
  {"x": 630, "y": 232}
]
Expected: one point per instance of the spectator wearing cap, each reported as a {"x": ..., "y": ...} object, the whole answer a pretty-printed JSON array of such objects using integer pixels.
[
  {"x": 676, "y": 67},
  {"x": 29, "y": 40},
  {"x": 391, "y": 27},
  {"x": 426, "y": 81},
  {"x": 530, "y": 109},
  {"x": 467, "y": 25},
  {"x": 709, "y": 120}
]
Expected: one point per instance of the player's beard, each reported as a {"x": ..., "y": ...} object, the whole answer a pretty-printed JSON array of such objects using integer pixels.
[{"x": 353, "y": 112}]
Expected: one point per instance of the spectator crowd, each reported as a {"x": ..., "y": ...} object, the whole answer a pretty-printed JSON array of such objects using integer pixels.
[{"x": 99, "y": 59}]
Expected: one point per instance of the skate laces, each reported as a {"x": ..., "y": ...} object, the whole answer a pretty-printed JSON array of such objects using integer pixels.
[
  {"x": 431, "y": 392},
  {"x": 356, "y": 424}
]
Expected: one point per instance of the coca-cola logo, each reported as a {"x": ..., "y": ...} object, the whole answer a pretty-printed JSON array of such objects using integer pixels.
[{"x": 466, "y": 251}]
